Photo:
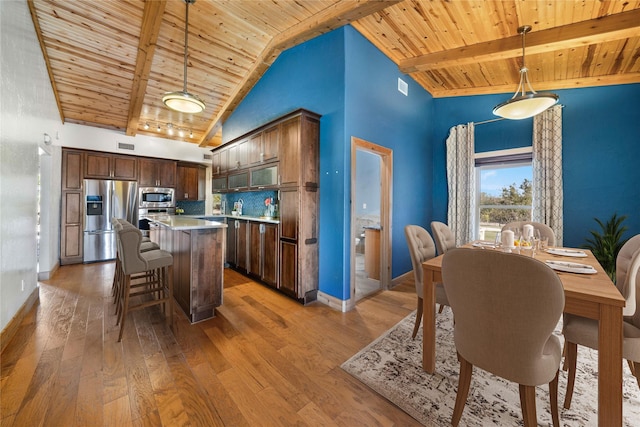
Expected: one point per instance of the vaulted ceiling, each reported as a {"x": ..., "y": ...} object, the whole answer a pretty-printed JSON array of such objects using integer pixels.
[{"x": 110, "y": 62}]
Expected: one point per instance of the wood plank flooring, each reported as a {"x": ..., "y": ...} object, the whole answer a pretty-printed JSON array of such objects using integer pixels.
[{"x": 264, "y": 360}]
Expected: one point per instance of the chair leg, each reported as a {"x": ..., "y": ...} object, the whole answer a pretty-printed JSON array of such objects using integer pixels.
[
  {"x": 440, "y": 309},
  {"x": 418, "y": 319},
  {"x": 125, "y": 305},
  {"x": 169, "y": 278},
  {"x": 572, "y": 356},
  {"x": 553, "y": 395},
  {"x": 528, "y": 405},
  {"x": 466, "y": 371}
]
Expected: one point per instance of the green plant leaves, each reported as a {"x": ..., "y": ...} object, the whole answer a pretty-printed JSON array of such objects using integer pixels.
[{"x": 606, "y": 245}]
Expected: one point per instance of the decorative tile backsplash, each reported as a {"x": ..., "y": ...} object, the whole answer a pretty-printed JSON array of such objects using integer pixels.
[
  {"x": 253, "y": 202},
  {"x": 192, "y": 208}
]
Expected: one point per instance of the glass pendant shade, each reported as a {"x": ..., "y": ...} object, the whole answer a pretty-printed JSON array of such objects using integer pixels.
[
  {"x": 524, "y": 105},
  {"x": 183, "y": 102}
]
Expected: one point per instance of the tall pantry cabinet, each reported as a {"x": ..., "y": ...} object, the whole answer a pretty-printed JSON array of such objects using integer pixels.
[{"x": 299, "y": 205}]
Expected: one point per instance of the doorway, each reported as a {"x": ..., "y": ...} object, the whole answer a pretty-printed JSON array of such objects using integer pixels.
[{"x": 371, "y": 172}]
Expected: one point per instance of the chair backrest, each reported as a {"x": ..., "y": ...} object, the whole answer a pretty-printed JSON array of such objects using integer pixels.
[
  {"x": 421, "y": 248},
  {"x": 506, "y": 307},
  {"x": 545, "y": 230},
  {"x": 443, "y": 236},
  {"x": 627, "y": 277},
  {"x": 129, "y": 240}
]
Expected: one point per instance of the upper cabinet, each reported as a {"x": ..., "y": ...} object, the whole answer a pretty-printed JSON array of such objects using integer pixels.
[
  {"x": 157, "y": 173},
  {"x": 263, "y": 146},
  {"x": 238, "y": 155},
  {"x": 110, "y": 166},
  {"x": 298, "y": 152},
  {"x": 285, "y": 143},
  {"x": 191, "y": 182}
]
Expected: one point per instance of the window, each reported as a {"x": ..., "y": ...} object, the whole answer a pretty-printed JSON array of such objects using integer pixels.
[{"x": 504, "y": 182}]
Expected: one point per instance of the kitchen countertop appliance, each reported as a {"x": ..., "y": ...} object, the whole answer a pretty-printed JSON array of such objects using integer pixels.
[
  {"x": 153, "y": 201},
  {"x": 106, "y": 199}
]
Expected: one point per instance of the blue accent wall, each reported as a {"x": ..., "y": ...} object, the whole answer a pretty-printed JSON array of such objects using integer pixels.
[
  {"x": 343, "y": 77},
  {"x": 601, "y": 148}
]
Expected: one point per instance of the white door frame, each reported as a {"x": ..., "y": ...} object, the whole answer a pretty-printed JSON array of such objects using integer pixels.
[{"x": 386, "y": 183}]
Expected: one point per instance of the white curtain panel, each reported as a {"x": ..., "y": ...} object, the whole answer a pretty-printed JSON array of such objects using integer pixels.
[
  {"x": 461, "y": 182},
  {"x": 547, "y": 170}
]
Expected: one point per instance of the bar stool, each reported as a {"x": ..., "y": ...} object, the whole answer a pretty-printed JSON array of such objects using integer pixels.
[
  {"x": 154, "y": 267},
  {"x": 145, "y": 246}
]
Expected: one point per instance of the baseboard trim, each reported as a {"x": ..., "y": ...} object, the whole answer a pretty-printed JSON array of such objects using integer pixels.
[
  {"x": 335, "y": 303},
  {"x": 46, "y": 275},
  {"x": 11, "y": 329},
  {"x": 408, "y": 276}
]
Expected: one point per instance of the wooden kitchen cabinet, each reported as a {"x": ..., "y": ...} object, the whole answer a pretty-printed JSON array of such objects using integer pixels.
[
  {"x": 110, "y": 166},
  {"x": 286, "y": 255},
  {"x": 238, "y": 155},
  {"x": 220, "y": 161},
  {"x": 72, "y": 215},
  {"x": 298, "y": 150},
  {"x": 197, "y": 269},
  {"x": 157, "y": 173},
  {"x": 263, "y": 252},
  {"x": 72, "y": 174},
  {"x": 190, "y": 182},
  {"x": 237, "y": 244},
  {"x": 263, "y": 146},
  {"x": 71, "y": 230}
]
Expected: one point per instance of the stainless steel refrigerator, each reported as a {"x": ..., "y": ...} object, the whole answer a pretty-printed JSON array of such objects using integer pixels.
[{"x": 105, "y": 199}]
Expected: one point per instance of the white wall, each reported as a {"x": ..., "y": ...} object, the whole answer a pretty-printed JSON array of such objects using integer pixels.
[{"x": 27, "y": 111}]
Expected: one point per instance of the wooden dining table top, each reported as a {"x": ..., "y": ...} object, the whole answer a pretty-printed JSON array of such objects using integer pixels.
[{"x": 590, "y": 287}]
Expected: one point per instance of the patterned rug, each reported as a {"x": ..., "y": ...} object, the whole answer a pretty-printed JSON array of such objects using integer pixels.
[{"x": 392, "y": 366}]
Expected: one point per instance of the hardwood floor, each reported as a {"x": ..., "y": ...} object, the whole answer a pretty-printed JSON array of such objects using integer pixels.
[{"x": 264, "y": 360}]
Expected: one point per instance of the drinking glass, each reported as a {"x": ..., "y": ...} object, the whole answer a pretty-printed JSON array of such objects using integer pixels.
[
  {"x": 544, "y": 243},
  {"x": 527, "y": 246},
  {"x": 498, "y": 241}
]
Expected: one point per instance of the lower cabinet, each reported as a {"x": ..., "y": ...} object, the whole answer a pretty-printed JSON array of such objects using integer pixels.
[
  {"x": 263, "y": 252},
  {"x": 237, "y": 235}
]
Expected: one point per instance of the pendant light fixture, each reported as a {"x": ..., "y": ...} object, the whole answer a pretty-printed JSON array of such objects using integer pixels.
[
  {"x": 184, "y": 101},
  {"x": 523, "y": 105}
]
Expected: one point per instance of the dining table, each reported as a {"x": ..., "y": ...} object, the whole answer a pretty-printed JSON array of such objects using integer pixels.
[{"x": 593, "y": 296}]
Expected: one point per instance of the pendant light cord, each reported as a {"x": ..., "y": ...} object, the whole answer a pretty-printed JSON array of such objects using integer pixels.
[{"x": 186, "y": 41}]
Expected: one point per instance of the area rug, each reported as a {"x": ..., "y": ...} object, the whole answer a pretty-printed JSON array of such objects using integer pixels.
[{"x": 392, "y": 366}]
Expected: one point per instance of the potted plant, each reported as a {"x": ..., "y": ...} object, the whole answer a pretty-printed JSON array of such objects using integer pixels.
[{"x": 606, "y": 245}]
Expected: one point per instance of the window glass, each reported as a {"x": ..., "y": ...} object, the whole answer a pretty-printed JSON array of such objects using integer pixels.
[{"x": 503, "y": 194}]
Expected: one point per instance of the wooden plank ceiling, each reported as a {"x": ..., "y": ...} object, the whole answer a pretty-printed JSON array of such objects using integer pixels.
[{"x": 110, "y": 62}]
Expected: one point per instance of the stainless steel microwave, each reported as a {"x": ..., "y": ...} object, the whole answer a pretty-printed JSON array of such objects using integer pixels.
[{"x": 156, "y": 197}]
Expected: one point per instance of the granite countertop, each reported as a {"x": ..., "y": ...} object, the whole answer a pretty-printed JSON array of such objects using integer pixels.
[
  {"x": 272, "y": 220},
  {"x": 186, "y": 222}
]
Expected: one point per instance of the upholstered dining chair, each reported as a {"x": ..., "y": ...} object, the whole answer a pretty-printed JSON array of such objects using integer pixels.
[
  {"x": 545, "y": 230},
  {"x": 421, "y": 249},
  {"x": 582, "y": 331},
  {"x": 443, "y": 235},
  {"x": 506, "y": 307}
]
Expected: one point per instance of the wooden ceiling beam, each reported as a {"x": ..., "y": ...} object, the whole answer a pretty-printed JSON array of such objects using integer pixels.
[
  {"x": 581, "y": 82},
  {"x": 601, "y": 30},
  {"x": 336, "y": 16},
  {"x": 149, "y": 32}
]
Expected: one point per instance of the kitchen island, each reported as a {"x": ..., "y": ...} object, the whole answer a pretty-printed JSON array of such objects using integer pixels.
[{"x": 198, "y": 249}]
